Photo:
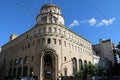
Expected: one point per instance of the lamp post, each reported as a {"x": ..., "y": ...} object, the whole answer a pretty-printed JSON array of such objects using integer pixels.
[{"x": 64, "y": 68}]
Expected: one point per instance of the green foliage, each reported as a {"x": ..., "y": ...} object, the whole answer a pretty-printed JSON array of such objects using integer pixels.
[
  {"x": 118, "y": 46},
  {"x": 89, "y": 69},
  {"x": 79, "y": 73},
  {"x": 100, "y": 71}
]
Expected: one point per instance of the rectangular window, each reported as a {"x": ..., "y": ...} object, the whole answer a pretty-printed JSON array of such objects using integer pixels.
[
  {"x": 43, "y": 40},
  {"x": 59, "y": 42},
  {"x": 54, "y": 40},
  {"x": 14, "y": 71},
  {"x": 65, "y": 43},
  {"x": 69, "y": 45},
  {"x": 19, "y": 71},
  {"x": 48, "y": 40},
  {"x": 25, "y": 70},
  {"x": 28, "y": 45},
  {"x": 64, "y": 58},
  {"x": 38, "y": 41},
  {"x": 44, "y": 29},
  {"x": 10, "y": 71}
]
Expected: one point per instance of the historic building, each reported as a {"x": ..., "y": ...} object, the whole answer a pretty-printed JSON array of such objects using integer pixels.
[
  {"x": 105, "y": 50},
  {"x": 46, "y": 51}
]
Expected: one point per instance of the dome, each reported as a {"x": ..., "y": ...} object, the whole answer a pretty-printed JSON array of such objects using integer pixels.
[
  {"x": 50, "y": 7},
  {"x": 50, "y": 13}
]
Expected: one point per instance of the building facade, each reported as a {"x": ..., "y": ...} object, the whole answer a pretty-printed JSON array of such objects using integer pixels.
[
  {"x": 47, "y": 51},
  {"x": 105, "y": 50}
]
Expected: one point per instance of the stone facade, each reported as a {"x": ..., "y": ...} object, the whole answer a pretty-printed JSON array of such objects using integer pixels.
[
  {"x": 105, "y": 49},
  {"x": 46, "y": 51}
]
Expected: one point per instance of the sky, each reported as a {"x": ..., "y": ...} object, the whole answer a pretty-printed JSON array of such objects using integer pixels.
[{"x": 91, "y": 19}]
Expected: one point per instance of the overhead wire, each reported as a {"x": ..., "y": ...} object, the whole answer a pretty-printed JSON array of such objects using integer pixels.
[{"x": 97, "y": 9}]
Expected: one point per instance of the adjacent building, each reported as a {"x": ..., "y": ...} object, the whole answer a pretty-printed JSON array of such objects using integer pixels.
[
  {"x": 48, "y": 50},
  {"x": 105, "y": 50}
]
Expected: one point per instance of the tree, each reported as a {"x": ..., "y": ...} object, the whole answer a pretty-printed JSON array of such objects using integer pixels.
[
  {"x": 100, "y": 71},
  {"x": 88, "y": 70},
  {"x": 79, "y": 73}
]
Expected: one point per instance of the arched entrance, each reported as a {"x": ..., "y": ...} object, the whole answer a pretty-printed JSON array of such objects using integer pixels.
[{"x": 49, "y": 65}]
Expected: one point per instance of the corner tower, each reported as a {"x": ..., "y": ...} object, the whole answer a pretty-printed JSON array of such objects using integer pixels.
[{"x": 50, "y": 13}]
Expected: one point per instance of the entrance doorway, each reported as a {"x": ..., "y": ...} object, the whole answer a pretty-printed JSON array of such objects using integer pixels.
[{"x": 49, "y": 66}]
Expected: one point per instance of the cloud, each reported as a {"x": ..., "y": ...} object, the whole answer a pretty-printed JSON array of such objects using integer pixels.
[
  {"x": 92, "y": 21},
  {"x": 106, "y": 22},
  {"x": 74, "y": 23}
]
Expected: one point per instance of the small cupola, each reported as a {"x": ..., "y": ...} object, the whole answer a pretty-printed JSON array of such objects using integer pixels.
[{"x": 50, "y": 13}]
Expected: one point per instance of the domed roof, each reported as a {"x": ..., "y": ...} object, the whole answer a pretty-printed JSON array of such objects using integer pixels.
[
  {"x": 50, "y": 13},
  {"x": 50, "y": 7}
]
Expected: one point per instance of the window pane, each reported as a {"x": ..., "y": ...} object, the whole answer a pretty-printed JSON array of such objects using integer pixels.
[{"x": 49, "y": 41}]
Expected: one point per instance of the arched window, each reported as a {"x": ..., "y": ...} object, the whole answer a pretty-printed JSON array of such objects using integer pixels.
[
  {"x": 74, "y": 62},
  {"x": 20, "y": 61},
  {"x": 54, "y": 30},
  {"x": 26, "y": 60},
  {"x": 85, "y": 63},
  {"x": 15, "y": 62},
  {"x": 44, "y": 19},
  {"x": 49, "y": 30},
  {"x": 80, "y": 64},
  {"x": 54, "y": 19},
  {"x": 89, "y": 62},
  {"x": 44, "y": 29},
  {"x": 11, "y": 62},
  {"x": 59, "y": 31}
]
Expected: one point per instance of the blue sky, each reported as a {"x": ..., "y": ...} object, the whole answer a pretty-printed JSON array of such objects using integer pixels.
[{"x": 92, "y": 19}]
